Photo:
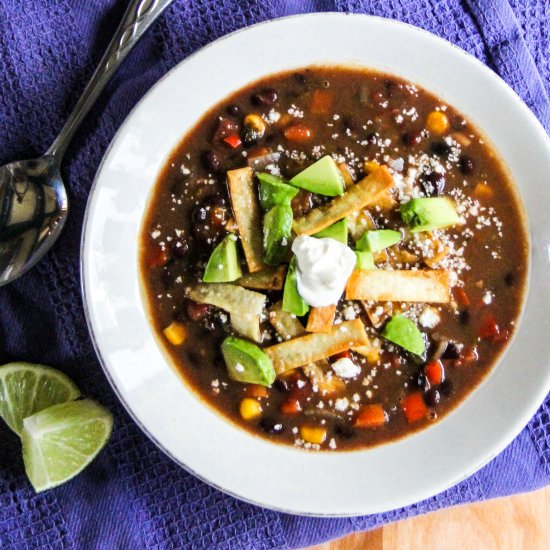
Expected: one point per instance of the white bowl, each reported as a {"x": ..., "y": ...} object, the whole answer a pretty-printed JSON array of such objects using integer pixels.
[{"x": 203, "y": 442}]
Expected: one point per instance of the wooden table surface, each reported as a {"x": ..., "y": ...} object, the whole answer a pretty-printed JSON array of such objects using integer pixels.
[{"x": 521, "y": 522}]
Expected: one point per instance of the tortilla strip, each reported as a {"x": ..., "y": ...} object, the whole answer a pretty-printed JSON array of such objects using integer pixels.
[
  {"x": 371, "y": 351},
  {"x": 400, "y": 286},
  {"x": 286, "y": 324},
  {"x": 365, "y": 193},
  {"x": 313, "y": 347},
  {"x": 270, "y": 278},
  {"x": 346, "y": 174},
  {"x": 244, "y": 306},
  {"x": 247, "y": 215},
  {"x": 321, "y": 319},
  {"x": 359, "y": 222}
]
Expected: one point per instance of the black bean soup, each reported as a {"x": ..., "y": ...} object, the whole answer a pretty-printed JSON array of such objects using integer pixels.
[{"x": 421, "y": 342}]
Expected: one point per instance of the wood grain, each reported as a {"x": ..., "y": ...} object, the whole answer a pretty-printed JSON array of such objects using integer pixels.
[{"x": 518, "y": 522}]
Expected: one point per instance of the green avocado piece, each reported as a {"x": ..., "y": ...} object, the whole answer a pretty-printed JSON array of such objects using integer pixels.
[
  {"x": 426, "y": 214},
  {"x": 365, "y": 260},
  {"x": 277, "y": 234},
  {"x": 223, "y": 265},
  {"x": 274, "y": 191},
  {"x": 246, "y": 362},
  {"x": 403, "y": 332},
  {"x": 292, "y": 301},
  {"x": 337, "y": 231},
  {"x": 378, "y": 239},
  {"x": 322, "y": 177}
]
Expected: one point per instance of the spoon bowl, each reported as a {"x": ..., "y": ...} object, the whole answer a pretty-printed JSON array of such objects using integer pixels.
[{"x": 33, "y": 210}]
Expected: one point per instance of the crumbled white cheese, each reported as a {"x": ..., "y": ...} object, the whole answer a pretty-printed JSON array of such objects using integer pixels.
[
  {"x": 429, "y": 318},
  {"x": 346, "y": 368},
  {"x": 341, "y": 404},
  {"x": 487, "y": 298}
]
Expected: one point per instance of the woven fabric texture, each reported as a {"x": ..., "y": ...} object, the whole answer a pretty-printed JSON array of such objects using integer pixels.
[{"x": 133, "y": 496}]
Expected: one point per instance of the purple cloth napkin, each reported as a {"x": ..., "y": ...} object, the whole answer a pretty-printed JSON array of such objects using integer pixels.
[{"x": 133, "y": 496}]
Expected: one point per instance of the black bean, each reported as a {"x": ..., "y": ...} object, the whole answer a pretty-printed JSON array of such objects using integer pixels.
[
  {"x": 391, "y": 88},
  {"x": 299, "y": 78},
  {"x": 196, "y": 311},
  {"x": 421, "y": 381},
  {"x": 510, "y": 279},
  {"x": 180, "y": 247},
  {"x": 371, "y": 139},
  {"x": 466, "y": 165},
  {"x": 211, "y": 162},
  {"x": 441, "y": 148},
  {"x": 234, "y": 110},
  {"x": 432, "y": 397},
  {"x": 194, "y": 358},
  {"x": 264, "y": 97},
  {"x": 281, "y": 385},
  {"x": 271, "y": 425},
  {"x": 345, "y": 431},
  {"x": 452, "y": 352},
  {"x": 433, "y": 184},
  {"x": 446, "y": 388},
  {"x": 412, "y": 137},
  {"x": 464, "y": 317}
]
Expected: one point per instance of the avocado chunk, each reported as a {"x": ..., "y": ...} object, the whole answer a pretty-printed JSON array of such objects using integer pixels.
[
  {"x": 246, "y": 362},
  {"x": 403, "y": 332},
  {"x": 427, "y": 214},
  {"x": 322, "y": 177},
  {"x": 292, "y": 301},
  {"x": 274, "y": 191},
  {"x": 277, "y": 234},
  {"x": 378, "y": 239},
  {"x": 337, "y": 231},
  {"x": 365, "y": 260},
  {"x": 223, "y": 265}
]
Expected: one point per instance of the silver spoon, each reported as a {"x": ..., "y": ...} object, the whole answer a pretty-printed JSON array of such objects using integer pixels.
[{"x": 33, "y": 199}]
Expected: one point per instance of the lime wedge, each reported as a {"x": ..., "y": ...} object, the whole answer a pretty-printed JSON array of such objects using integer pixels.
[
  {"x": 59, "y": 442},
  {"x": 26, "y": 389}
]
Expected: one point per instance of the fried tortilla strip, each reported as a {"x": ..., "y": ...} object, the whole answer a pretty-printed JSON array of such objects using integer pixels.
[
  {"x": 363, "y": 194},
  {"x": 270, "y": 278},
  {"x": 381, "y": 285},
  {"x": 371, "y": 351},
  {"x": 247, "y": 215},
  {"x": 286, "y": 324},
  {"x": 321, "y": 319},
  {"x": 245, "y": 307},
  {"x": 346, "y": 174},
  {"x": 308, "y": 349},
  {"x": 359, "y": 222}
]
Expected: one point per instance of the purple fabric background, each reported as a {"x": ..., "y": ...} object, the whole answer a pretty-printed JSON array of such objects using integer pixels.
[{"x": 133, "y": 496}]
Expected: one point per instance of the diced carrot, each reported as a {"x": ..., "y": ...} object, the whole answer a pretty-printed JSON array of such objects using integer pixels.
[
  {"x": 233, "y": 141},
  {"x": 434, "y": 372},
  {"x": 258, "y": 152},
  {"x": 298, "y": 132},
  {"x": 461, "y": 296},
  {"x": 489, "y": 327},
  {"x": 370, "y": 416},
  {"x": 159, "y": 257},
  {"x": 321, "y": 102},
  {"x": 290, "y": 406},
  {"x": 342, "y": 355},
  {"x": 255, "y": 390},
  {"x": 414, "y": 407}
]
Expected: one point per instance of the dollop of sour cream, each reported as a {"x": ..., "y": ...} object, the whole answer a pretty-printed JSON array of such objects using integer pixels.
[{"x": 324, "y": 267}]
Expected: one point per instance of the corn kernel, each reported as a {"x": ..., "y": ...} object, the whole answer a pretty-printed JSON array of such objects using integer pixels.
[
  {"x": 255, "y": 123},
  {"x": 437, "y": 122},
  {"x": 313, "y": 435},
  {"x": 250, "y": 408},
  {"x": 370, "y": 166},
  {"x": 175, "y": 333}
]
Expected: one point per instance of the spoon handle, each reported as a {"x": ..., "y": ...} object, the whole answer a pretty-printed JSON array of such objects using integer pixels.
[{"x": 138, "y": 17}]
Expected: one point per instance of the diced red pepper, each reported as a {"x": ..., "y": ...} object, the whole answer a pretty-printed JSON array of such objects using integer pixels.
[
  {"x": 414, "y": 407},
  {"x": 298, "y": 132},
  {"x": 489, "y": 328},
  {"x": 233, "y": 141},
  {"x": 255, "y": 390},
  {"x": 158, "y": 257},
  {"x": 461, "y": 296},
  {"x": 290, "y": 406},
  {"x": 435, "y": 372},
  {"x": 370, "y": 416},
  {"x": 321, "y": 102}
]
